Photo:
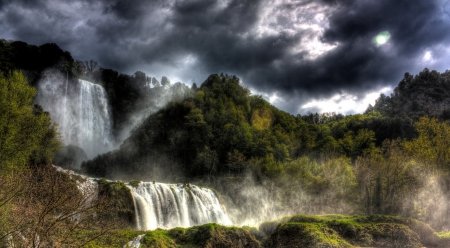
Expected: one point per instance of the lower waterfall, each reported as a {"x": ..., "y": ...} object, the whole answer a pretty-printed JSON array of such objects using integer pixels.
[{"x": 160, "y": 205}]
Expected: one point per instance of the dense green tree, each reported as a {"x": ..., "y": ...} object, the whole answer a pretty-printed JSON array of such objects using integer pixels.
[
  {"x": 424, "y": 94},
  {"x": 388, "y": 180},
  {"x": 26, "y": 132}
]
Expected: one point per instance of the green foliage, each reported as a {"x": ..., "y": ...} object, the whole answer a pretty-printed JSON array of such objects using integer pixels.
[
  {"x": 424, "y": 94},
  {"x": 26, "y": 132},
  {"x": 203, "y": 133},
  {"x": 433, "y": 144},
  {"x": 262, "y": 118}
]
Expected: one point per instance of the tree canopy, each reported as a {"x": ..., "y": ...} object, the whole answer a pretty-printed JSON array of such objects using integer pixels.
[{"x": 27, "y": 133}]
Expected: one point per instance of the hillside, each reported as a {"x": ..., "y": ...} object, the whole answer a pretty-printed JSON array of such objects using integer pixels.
[
  {"x": 427, "y": 93},
  {"x": 223, "y": 128}
]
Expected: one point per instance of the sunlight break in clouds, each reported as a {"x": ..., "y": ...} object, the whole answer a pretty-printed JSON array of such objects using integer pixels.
[
  {"x": 345, "y": 103},
  {"x": 308, "y": 21}
]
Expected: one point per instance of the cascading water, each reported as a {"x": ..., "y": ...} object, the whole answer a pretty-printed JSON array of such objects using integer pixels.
[
  {"x": 82, "y": 111},
  {"x": 94, "y": 118},
  {"x": 160, "y": 205}
]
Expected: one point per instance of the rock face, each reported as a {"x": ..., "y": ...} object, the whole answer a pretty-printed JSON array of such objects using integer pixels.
[{"x": 70, "y": 156}]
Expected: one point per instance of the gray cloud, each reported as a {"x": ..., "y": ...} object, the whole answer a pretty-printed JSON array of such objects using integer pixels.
[{"x": 300, "y": 49}]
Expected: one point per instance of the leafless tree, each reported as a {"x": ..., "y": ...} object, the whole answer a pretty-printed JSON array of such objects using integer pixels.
[{"x": 43, "y": 207}]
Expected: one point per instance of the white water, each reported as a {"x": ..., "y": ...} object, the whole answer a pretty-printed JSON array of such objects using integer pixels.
[
  {"x": 135, "y": 243},
  {"x": 94, "y": 126},
  {"x": 160, "y": 205},
  {"x": 82, "y": 111}
]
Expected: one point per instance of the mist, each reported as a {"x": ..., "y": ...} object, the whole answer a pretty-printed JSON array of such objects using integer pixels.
[{"x": 81, "y": 110}]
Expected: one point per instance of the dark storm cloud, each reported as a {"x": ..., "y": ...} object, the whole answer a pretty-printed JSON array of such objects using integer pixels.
[
  {"x": 259, "y": 41},
  {"x": 356, "y": 60},
  {"x": 356, "y": 65}
]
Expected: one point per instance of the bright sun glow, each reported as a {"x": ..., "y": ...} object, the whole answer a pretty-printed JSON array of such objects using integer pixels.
[
  {"x": 427, "y": 56},
  {"x": 381, "y": 38}
]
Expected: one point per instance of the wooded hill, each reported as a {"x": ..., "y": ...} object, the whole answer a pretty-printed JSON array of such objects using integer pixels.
[{"x": 427, "y": 93}]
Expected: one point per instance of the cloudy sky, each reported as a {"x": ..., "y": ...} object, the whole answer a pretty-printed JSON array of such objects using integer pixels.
[{"x": 302, "y": 55}]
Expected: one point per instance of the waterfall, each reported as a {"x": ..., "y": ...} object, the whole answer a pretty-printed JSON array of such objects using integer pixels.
[
  {"x": 94, "y": 119},
  {"x": 160, "y": 205},
  {"x": 81, "y": 109}
]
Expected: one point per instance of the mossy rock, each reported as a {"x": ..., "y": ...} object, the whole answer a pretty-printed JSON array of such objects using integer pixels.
[
  {"x": 214, "y": 235},
  {"x": 427, "y": 235},
  {"x": 393, "y": 235},
  {"x": 121, "y": 204},
  {"x": 158, "y": 239},
  {"x": 312, "y": 235},
  {"x": 348, "y": 231}
]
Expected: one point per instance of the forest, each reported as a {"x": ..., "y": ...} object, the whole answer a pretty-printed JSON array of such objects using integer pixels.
[{"x": 393, "y": 159}]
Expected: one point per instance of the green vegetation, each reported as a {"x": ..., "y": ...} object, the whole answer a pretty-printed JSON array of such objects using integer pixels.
[
  {"x": 426, "y": 94},
  {"x": 290, "y": 231},
  {"x": 120, "y": 201},
  {"x": 27, "y": 134},
  {"x": 207, "y": 236},
  {"x": 349, "y": 231}
]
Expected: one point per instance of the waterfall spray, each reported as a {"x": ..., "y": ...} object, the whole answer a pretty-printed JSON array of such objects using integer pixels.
[
  {"x": 160, "y": 205},
  {"x": 81, "y": 109}
]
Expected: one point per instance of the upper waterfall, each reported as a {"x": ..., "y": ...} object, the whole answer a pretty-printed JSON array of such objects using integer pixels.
[
  {"x": 82, "y": 111},
  {"x": 160, "y": 205}
]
